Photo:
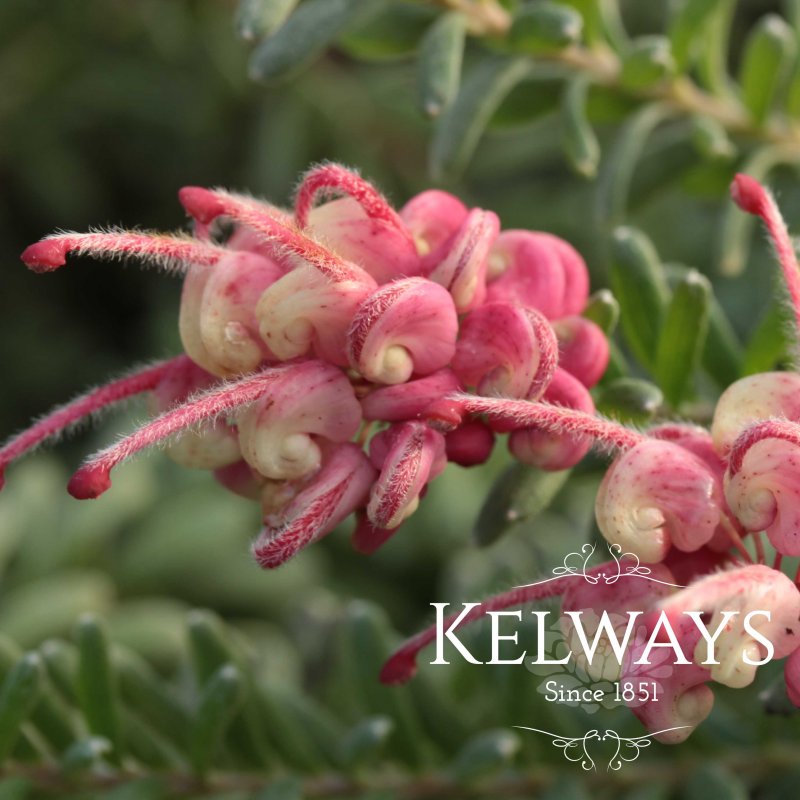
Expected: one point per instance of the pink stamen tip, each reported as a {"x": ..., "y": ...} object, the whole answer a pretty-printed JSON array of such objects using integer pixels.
[
  {"x": 749, "y": 194},
  {"x": 46, "y": 256},
  {"x": 445, "y": 415},
  {"x": 399, "y": 669},
  {"x": 200, "y": 203},
  {"x": 89, "y": 482}
]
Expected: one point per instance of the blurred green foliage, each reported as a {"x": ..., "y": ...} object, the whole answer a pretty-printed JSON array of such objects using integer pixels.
[{"x": 107, "y": 109}]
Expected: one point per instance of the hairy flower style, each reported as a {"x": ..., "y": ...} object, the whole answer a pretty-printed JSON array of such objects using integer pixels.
[{"x": 322, "y": 344}]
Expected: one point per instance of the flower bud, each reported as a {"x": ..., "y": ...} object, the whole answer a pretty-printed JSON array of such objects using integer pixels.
[
  {"x": 470, "y": 444},
  {"x": 583, "y": 349},
  {"x": 433, "y": 218},
  {"x": 305, "y": 310},
  {"x": 406, "y": 327},
  {"x": 462, "y": 270},
  {"x": 403, "y": 401},
  {"x": 409, "y": 455},
  {"x": 754, "y": 398},
  {"x": 656, "y": 495},
  {"x": 506, "y": 351},
  {"x": 276, "y": 433}
]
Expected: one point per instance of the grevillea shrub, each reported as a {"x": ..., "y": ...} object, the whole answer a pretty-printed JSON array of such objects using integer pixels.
[{"x": 339, "y": 354}]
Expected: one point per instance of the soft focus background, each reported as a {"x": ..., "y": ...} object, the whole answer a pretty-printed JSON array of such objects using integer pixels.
[{"x": 106, "y": 109}]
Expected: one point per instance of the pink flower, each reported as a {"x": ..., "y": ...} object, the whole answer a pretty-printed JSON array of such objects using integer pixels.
[{"x": 312, "y": 333}]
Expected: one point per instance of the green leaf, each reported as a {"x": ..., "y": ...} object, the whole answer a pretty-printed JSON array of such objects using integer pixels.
[
  {"x": 439, "y": 66},
  {"x": 281, "y": 789},
  {"x": 617, "y": 170},
  {"x": 96, "y": 685},
  {"x": 220, "y": 701},
  {"x": 687, "y": 29},
  {"x": 683, "y": 336},
  {"x": 768, "y": 54},
  {"x": 390, "y": 34},
  {"x": 366, "y": 741},
  {"x": 711, "y": 139},
  {"x": 461, "y": 125},
  {"x": 85, "y": 754},
  {"x": 640, "y": 286},
  {"x": 630, "y": 400},
  {"x": 306, "y": 35},
  {"x": 519, "y": 495},
  {"x": 486, "y": 753},
  {"x": 603, "y": 309},
  {"x": 18, "y": 695},
  {"x": 580, "y": 141},
  {"x": 648, "y": 61},
  {"x": 714, "y": 780},
  {"x": 544, "y": 27},
  {"x": 770, "y": 345},
  {"x": 257, "y": 18}
]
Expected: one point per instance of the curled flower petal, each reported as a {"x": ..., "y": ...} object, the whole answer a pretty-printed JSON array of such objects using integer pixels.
[
  {"x": 403, "y": 401},
  {"x": 217, "y": 317},
  {"x": 241, "y": 479},
  {"x": 462, "y": 271},
  {"x": 409, "y": 455},
  {"x": 276, "y": 433},
  {"x": 583, "y": 349},
  {"x": 328, "y": 498},
  {"x": 406, "y": 327},
  {"x": 470, "y": 444},
  {"x": 367, "y": 538},
  {"x": 546, "y": 449},
  {"x": 304, "y": 311},
  {"x": 752, "y": 588},
  {"x": 433, "y": 217},
  {"x": 506, "y": 350},
  {"x": 762, "y": 485},
  {"x": 754, "y": 398},
  {"x": 210, "y": 445},
  {"x": 537, "y": 270},
  {"x": 658, "y": 495}
]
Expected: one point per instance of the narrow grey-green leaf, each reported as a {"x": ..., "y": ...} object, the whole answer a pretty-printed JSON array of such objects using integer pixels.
[
  {"x": 221, "y": 699},
  {"x": 770, "y": 344},
  {"x": 390, "y": 34},
  {"x": 97, "y": 683},
  {"x": 617, "y": 170},
  {"x": 18, "y": 695},
  {"x": 683, "y": 336},
  {"x": 306, "y": 35},
  {"x": 486, "y": 753},
  {"x": 257, "y": 18},
  {"x": 632, "y": 400},
  {"x": 580, "y": 141},
  {"x": 640, "y": 286},
  {"x": 714, "y": 780},
  {"x": 519, "y": 495},
  {"x": 768, "y": 54},
  {"x": 439, "y": 66},
  {"x": 687, "y": 29},
  {"x": 462, "y": 124},
  {"x": 711, "y": 139},
  {"x": 365, "y": 741},
  {"x": 84, "y": 754},
  {"x": 544, "y": 27},
  {"x": 603, "y": 310},
  {"x": 647, "y": 62}
]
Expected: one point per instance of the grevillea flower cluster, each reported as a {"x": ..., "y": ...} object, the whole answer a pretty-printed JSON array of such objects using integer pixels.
[
  {"x": 320, "y": 344},
  {"x": 338, "y": 355},
  {"x": 686, "y": 500}
]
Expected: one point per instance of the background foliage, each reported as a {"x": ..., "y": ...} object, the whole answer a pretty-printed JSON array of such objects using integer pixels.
[{"x": 562, "y": 124}]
